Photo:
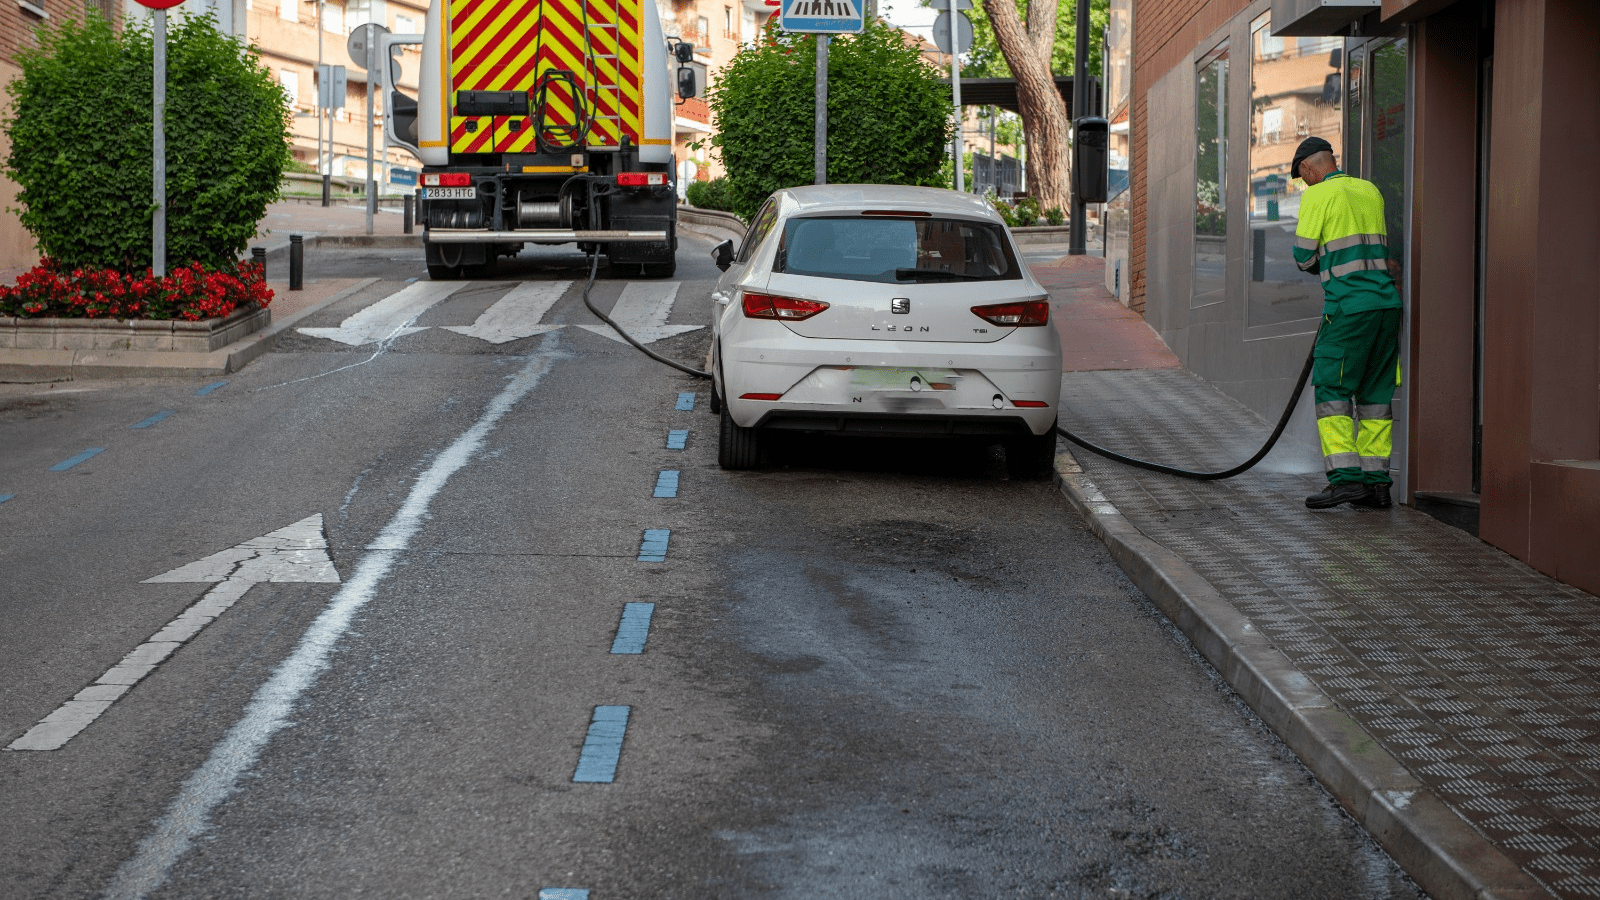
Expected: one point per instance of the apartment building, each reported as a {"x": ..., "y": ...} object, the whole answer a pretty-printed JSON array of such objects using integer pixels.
[{"x": 717, "y": 28}]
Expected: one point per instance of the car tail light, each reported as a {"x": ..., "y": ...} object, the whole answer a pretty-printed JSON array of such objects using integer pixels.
[
  {"x": 760, "y": 396},
  {"x": 1029, "y": 404},
  {"x": 447, "y": 179},
  {"x": 641, "y": 179},
  {"x": 774, "y": 306},
  {"x": 1028, "y": 312}
]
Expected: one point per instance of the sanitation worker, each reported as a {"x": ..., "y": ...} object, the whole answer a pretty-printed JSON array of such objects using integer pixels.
[{"x": 1341, "y": 237}]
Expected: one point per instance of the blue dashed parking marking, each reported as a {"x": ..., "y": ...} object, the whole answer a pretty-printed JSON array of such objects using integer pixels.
[
  {"x": 634, "y": 628},
  {"x": 154, "y": 419},
  {"x": 676, "y": 439},
  {"x": 563, "y": 894},
  {"x": 67, "y": 464},
  {"x": 667, "y": 483},
  {"x": 654, "y": 546},
  {"x": 685, "y": 400},
  {"x": 5, "y": 497},
  {"x": 603, "y": 747},
  {"x": 209, "y": 388}
]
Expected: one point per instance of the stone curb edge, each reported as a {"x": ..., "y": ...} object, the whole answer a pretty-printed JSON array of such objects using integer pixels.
[
  {"x": 1435, "y": 846},
  {"x": 49, "y": 365}
]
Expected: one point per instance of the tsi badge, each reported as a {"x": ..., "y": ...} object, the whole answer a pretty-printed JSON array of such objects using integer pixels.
[{"x": 900, "y": 306}]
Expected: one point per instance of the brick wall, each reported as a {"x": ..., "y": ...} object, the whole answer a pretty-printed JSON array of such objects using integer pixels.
[{"x": 1165, "y": 34}]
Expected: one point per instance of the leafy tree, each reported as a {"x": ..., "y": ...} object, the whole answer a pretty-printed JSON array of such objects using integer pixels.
[
  {"x": 1032, "y": 40},
  {"x": 888, "y": 114},
  {"x": 80, "y": 120}
]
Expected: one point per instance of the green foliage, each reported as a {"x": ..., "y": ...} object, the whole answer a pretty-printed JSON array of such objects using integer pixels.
[
  {"x": 1027, "y": 212},
  {"x": 985, "y": 60},
  {"x": 1054, "y": 216},
  {"x": 713, "y": 194},
  {"x": 81, "y": 143},
  {"x": 888, "y": 114},
  {"x": 1008, "y": 213}
]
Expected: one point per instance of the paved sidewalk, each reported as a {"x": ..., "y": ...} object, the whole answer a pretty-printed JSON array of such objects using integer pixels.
[{"x": 1446, "y": 693}]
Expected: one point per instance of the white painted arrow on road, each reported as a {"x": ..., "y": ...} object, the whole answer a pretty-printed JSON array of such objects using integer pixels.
[
  {"x": 642, "y": 311},
  {"x": 298, "y": 552},
  {"x": 390, "y": 317},
  {"x": 517, "y": 314}
]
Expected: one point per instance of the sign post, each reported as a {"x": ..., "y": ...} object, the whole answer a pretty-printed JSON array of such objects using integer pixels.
[
  {"x": 158, "y": 174},
  {"x": 956, "y": 41},
  {"x": 822, "y": 18},
  {"x": 364, "y": 52}
]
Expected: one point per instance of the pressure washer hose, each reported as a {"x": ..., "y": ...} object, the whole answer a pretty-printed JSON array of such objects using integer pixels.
[{"x": 1277, "y": 432}]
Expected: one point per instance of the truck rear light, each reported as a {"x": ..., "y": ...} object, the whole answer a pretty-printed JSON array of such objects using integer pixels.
[
  {"x": 641, "y": 179},
  {"x": 774, "y": 306},
  {"x": 760, "y": 396},
  {"x": 1028, "y": 312},
  {"x": 447, "y": 179}
]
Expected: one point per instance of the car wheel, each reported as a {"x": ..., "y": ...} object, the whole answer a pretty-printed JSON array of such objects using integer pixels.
[
  {"x": 716, "y": 400},
  {"x": 737, "y": 448},
  {"x": 1033, "y": 456}
]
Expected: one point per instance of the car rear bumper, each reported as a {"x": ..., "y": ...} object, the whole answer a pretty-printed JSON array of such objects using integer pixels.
[{"x": 896, "y": 424}]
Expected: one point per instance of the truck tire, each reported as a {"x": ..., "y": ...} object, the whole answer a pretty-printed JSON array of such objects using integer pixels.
[
  {"x": 737, "y": 448},
  {"x": 440, "y": 272},
  {"x": 660, "y": 270}
]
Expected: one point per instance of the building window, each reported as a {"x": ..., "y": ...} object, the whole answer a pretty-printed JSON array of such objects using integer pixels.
[
  {"x": 289, "y": 10},
  {"x": 105, "y": 9},
  {"x": 333, "y": 18},
  {"x": 1211, "y": 181},
  {"x": 360, "y": 12},
  {"x": 702, "y": 31},
  {"x": 728, "y": 30},
  {"x": 290, "y": 82}
]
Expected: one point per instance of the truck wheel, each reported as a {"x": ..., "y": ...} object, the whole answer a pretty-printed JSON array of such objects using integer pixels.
[
  {"x": 660, "y": 270},
  {"x": 737, "y": 448},
  {"x": 441, "y": 272}
]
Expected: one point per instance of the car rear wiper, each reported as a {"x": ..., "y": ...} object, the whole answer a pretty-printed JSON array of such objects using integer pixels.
[{"x": 903, "y": 274}]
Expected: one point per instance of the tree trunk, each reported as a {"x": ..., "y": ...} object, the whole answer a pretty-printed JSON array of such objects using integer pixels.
[{"x": 1044, "y": 114}]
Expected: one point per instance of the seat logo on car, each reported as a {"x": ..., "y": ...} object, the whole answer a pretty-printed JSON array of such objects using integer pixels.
[{"x": 900, "y": 306}]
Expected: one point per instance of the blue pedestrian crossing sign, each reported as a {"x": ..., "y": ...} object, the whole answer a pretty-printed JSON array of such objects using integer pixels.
[{"x": 822, "y": 16}]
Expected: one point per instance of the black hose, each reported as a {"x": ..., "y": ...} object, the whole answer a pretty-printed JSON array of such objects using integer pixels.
[
  {"x": 594, "y": 268},
  {"x": 1283, "y": 422}
]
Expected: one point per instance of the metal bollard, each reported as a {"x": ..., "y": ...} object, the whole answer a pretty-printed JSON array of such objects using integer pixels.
[
  {"x": 297, "y": 262},
  {"x": 410, "y": 201},
  {"x": 258, "y": 255}
]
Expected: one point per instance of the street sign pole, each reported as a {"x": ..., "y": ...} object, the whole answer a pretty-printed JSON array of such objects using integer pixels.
[
  {"x": 1078, "y": 232},
  {"x": 822, "y": 110},
  {"x": 158, "y": 235}
]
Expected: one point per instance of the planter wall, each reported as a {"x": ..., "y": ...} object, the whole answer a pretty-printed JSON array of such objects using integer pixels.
[{"x": 135, "y": 334}]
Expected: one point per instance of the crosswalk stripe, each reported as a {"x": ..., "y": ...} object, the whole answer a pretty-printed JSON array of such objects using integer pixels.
[{"x": 642, "y": 311}]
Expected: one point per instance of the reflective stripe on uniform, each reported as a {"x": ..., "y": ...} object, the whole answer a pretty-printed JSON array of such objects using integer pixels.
[
  {"x": 1341, "y": 461},
  {"x": 1339, "y": 270},
  {"x": 1373, "y": 411},
  {"x": 1336, "y": 408}
]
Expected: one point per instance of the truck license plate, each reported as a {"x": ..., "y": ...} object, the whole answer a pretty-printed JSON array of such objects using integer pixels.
[{"x": 450, "y": 193}]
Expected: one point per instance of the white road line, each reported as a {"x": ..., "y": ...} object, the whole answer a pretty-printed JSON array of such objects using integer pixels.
[
  {"x": 516, "y": 315},
  {"x": 390, "y": 317},
  {"x": 298, "y": 552},
  {"x": 642, "y": 311},
  {"x": 189, "y": 814}
]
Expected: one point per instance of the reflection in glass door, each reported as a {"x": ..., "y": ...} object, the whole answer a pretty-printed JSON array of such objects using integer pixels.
[
  {"x": 1296, "y": 92},
  {"x": 1211, "y": 180}
]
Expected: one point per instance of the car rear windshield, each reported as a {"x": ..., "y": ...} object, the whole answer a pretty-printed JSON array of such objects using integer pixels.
[{"x": 896, "y": 250}]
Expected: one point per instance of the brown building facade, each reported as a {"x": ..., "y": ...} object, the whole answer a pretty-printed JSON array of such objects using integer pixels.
[{"x": 1473, "y": 118}]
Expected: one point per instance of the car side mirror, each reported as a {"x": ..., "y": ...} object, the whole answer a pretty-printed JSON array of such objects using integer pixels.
[{"x": 722, "y": 255}]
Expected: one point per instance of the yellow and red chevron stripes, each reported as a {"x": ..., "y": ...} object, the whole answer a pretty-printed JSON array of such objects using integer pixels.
[{"x": 504, "y": 45}]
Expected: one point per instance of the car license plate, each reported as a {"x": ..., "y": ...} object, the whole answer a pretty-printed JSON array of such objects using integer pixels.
[
  {"x": 450, "y": 193},
  {"x": 894, "y": 378}
]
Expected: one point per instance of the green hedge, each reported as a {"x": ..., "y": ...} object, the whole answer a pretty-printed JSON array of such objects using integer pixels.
[
  {"x": 713, "y": 194},
  {"x": 80, "y": 121}
]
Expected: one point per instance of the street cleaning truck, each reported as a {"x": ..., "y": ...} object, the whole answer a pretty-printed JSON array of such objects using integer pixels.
[{"x": 544, "y": 122}]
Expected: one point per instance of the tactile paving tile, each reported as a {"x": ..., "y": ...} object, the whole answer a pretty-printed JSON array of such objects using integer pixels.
[{"x": 1478, "y": 673}]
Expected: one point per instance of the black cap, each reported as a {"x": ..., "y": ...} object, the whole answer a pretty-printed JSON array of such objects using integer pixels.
[{"x": 1308, "y": 147}]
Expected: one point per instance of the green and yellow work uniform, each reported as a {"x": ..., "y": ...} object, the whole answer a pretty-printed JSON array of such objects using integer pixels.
[{"x": 1342, "y": 237}]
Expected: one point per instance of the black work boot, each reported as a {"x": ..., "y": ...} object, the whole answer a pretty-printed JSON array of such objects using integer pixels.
[
  {"x": 1339, "y": 493},
  {"x": 1377, "y": 499}
]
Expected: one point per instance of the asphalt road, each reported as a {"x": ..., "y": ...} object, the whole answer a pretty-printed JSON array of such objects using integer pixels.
[{"x": 872, "y": 670}]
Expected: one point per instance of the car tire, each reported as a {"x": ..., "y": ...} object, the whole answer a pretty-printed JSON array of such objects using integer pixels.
[
  {"x": 1032, "y": 457},
  {"x": 737, "y": 447},
  {"x": 716, "y": 400}
]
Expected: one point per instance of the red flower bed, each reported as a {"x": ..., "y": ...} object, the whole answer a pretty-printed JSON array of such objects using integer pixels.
[{"x": 189, "y": 292}]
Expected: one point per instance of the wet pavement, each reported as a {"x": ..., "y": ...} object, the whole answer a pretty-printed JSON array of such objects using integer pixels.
[{"x": 1479, "y": 675}]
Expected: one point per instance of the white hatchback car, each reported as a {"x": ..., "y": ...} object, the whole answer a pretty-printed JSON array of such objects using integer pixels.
[{"x": 882, "y": 310}]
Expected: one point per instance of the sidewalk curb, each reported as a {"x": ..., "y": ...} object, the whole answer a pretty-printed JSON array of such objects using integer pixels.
[
  {"x": 58, "y": 365},
  {"x": 1436, "y": 847}
]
